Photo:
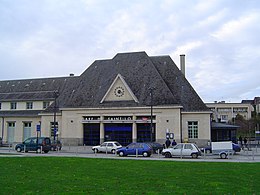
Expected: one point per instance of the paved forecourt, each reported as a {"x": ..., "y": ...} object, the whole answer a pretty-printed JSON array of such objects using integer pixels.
[{"x": 252, "y": 155}]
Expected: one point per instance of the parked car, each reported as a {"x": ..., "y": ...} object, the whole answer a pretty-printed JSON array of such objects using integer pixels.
[
  {"x": 182, "y": 149},
  {"x": 110, "y": 146},
  {"x": 56, "y": 145},
  {"x": 156, "y": 146},
  {"x": 136, "y": 148},
  {"x": 208, "y": 149},
  {"x": 31, "y": 144}
]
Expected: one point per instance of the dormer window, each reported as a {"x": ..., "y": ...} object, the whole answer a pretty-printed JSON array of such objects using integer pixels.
[
  {"x": 46, "y": 105},
  {"x": 13, "y": 105},
  {"x": 29, "y": 105}
]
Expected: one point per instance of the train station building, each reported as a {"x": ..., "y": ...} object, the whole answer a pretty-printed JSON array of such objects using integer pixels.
[{"x": 132, "y": 97}]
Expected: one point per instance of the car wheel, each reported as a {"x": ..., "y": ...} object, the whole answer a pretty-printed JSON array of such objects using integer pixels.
[
  {"x": 96, "y": 150},
  {"x": 113, "y": 151},
  {"x": 52, "y": 148},
  {"x": 223, "y": 155},
  {"x": 145, "y": 154},
  {"x": 121, "y": 154},
  {"x": 38, "y": 150},
  {"x": 207, "y": 151},
  {"x": 168, "y": 155},
  {"x": 194, "y": 155},
  {"x": 46, "y": 151},
  {"x": 18, "y": 149}
]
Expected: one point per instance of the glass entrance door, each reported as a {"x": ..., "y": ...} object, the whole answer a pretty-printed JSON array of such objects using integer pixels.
[{"x": 120, "y": 132}]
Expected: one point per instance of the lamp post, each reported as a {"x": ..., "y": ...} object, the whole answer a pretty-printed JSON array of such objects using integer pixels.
[
  {"x": 151, "y": 125},
  {"x": 56, "y": 94}
]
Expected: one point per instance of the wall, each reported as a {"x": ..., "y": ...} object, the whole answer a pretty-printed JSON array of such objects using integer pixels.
[{"x": 204, "y": 127}]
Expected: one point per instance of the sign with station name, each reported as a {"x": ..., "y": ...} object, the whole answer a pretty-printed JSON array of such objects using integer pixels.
[
  {"x": 118, "y": 118},
  {"x": 91, "y": 118}
]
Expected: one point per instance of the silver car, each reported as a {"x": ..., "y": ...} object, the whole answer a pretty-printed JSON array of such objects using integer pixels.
[
  {"x": 110, "y": 146},
  {"x": 182, "y": 149}
]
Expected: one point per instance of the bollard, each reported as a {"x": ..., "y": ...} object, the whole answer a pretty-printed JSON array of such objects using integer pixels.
[
  {"x": 253, "y": 155},
  {"x": 136, "y": 152},
  {"x": 158, "y": 153},
  {"x": 95, "y": 151},
  {"x": 41, "y": 149},
  {"x": 24, "y": 149},
  {"x": 106, "y": 149}
]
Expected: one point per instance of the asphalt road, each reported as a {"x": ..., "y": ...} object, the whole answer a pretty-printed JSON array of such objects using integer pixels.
[{"x": 252, "y": 155}]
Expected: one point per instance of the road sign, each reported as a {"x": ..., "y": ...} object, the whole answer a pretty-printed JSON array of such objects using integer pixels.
[{"x": 38, "y": 127}]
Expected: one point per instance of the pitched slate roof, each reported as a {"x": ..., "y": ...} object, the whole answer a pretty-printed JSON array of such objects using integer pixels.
[
  {"x": 32, "y": 89},
  {"x": 140, "y": 72}
]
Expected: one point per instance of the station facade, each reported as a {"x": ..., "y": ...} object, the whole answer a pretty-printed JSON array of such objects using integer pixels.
[{"x": 130, "y": 98}]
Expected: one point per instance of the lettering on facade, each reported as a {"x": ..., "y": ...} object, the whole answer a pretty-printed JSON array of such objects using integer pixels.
[
  {"x": 118, "y": 118},
  {"x": 91, "y": 118}
]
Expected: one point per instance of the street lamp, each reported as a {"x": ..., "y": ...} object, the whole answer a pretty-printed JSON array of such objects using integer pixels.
[
  {"x": 56, "y": 94},
  {"x": 151, "y": 125}
]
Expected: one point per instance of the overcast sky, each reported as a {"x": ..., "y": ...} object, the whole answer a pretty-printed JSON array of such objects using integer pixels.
[{"x": 53, "y": 38}]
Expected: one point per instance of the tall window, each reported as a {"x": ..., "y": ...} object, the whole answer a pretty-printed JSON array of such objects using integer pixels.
[
  {"x": 13, "y": 105},
  {"x": 46, "y": 105},
  {"x": 52, "y": 128},
  {"x": 29, "y": 105},
  {"x": 193, "y": 129},
  {"x": 27, "y": 129}
]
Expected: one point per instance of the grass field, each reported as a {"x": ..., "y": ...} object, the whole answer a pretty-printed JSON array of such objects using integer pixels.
[{"x": 61, "y": 175}]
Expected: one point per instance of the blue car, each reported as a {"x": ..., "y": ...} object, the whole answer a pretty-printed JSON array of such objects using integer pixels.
[{"x": 135, "y": 148}]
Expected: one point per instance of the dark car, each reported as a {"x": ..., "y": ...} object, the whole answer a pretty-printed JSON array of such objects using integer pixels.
[
  {"x": 208, "y": 149},
  {"x": 35, "y": 144},
  {"x": 135, "y": 149},
  {"x": 156, "y": 147},
  {"x": 56, "y": 145}
]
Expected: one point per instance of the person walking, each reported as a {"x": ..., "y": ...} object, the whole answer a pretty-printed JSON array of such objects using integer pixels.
[
  {"x": 240, "y": 141},
  {"x": 174, "y": 143},
  {"x": 167, "y": 143},
  {"x": 245, "y": 143}
]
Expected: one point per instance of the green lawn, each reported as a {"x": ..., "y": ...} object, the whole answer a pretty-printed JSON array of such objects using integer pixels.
[{"x": 61, "y": 175}]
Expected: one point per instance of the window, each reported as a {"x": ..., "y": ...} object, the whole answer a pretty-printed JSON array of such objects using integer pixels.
[
  {"x": 53, "y": 132},
  {"x": 224, "y": 118},
  {"x": 193, "y": 129},
  {"x": 27, "y": 130},
  {"x": 29, "y": 105},
  {"x": 188, "y": 146},
  {"x": 45, "y": 105},
  {"x": 13, "y": 105}
]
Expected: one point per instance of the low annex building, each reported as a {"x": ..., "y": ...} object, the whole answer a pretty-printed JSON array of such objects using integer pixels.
[{"x": 130, "y": 98}]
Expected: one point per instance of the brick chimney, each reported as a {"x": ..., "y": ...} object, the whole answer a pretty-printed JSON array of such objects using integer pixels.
[{"x": 182, "y": 62}]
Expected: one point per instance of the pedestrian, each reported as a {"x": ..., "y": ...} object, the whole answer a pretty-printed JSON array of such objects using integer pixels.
[
  {"x": 245, "y": 143},
  {"x": 167, "y": 143},
  {"x": 174, "y": 143},
  {"x": 241, "y": 141}
]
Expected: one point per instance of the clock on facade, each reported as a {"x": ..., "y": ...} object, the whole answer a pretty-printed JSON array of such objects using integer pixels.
[{"x": 119, "y": 91}]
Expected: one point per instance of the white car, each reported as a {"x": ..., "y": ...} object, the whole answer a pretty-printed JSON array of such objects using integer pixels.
[
  {"x": 182, "y": 149},
  {"x": 110, "y": 146}
]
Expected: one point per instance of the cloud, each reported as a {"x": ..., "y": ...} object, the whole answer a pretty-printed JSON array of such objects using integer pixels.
[{"x": 54, "y": 38}]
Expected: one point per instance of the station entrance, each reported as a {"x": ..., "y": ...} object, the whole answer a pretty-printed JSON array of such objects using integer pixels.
[
  {"x": 91, "y": 134},
  {"x": 121, "y": 132}
]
